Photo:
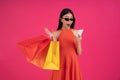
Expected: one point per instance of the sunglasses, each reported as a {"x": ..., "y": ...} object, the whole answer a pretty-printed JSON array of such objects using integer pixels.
[{"x": 67, "y": 19}]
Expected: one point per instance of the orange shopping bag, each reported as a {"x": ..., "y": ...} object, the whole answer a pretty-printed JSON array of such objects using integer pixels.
[
  {"x": 52, "y": 61},
  {"x": 35, "y": 49}
]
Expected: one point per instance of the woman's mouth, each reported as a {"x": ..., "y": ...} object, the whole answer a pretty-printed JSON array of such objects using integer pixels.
[{"x": 68, "y": 24}]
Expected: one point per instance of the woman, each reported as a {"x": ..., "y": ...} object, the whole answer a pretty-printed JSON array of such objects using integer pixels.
[{"x": 70, "y": 47}]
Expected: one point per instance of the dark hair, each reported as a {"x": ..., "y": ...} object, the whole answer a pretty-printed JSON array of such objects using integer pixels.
[{"x": 63, "y": 12}]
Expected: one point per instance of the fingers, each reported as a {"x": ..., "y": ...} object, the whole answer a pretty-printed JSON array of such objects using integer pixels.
[
  {"x": 51, "y": 35},
  {"x": 47, "y": 30},
  {"x": 79, "y": 37}
]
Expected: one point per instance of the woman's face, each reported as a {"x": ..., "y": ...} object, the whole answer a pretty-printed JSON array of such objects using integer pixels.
[{"x": 67, "y": 20}]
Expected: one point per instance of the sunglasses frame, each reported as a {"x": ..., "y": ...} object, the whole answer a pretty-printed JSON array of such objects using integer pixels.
[{"x": 68, "y": 19}]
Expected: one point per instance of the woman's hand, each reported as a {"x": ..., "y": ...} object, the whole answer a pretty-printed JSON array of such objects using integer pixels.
[
  {"x": 78, "y": 39},
  {"x": 48, "y": 32},
  {"x": 51, "y": 34}
]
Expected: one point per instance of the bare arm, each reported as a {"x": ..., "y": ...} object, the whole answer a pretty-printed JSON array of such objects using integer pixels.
[
  {"x": 53, "y": 35},
  {"x": 78, "y": 39},
  {"x": 79, "y": 48}
]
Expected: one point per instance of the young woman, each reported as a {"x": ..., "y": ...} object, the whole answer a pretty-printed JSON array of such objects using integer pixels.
[{"x": 70, "y": 47}]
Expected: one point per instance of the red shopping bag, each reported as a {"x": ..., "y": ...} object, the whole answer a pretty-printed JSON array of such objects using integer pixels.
[{"x": 35, "y": 49}]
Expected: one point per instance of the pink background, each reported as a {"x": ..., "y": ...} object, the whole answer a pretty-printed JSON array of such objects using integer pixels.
[{"x": 100, "y": 19}]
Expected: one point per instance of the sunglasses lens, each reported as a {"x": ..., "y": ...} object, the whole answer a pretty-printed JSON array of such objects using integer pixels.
[
  {"x": 67, "y": 19},
  {"x": 71, "y": 19}
]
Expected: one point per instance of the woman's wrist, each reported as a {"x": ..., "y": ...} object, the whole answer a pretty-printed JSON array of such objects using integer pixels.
[{"x": 78, "y": 42}]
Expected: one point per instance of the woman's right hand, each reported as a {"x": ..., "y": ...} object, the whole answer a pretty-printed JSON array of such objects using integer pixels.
[
  {"x": 47, "y": 31},
  {"x": 51, "y": 34}
]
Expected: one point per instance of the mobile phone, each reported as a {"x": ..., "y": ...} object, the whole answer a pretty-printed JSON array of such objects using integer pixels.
[{"x": 80, "y": 32}]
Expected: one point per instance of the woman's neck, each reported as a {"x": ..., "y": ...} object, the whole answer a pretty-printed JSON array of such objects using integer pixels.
[{"x": 65, "y": 27}]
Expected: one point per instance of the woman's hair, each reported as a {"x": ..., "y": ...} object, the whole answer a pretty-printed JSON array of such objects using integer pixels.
[{"x": 63, "y": 12}]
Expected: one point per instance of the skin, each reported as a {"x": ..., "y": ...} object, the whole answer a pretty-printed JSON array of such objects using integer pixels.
[{"x": 55, "y": 34}]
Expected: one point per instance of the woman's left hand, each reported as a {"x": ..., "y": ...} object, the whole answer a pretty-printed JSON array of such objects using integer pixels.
[{"x": 78, "y": 38}]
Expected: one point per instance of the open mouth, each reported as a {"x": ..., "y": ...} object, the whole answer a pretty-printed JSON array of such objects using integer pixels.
[{"x": 68, "y": 24}]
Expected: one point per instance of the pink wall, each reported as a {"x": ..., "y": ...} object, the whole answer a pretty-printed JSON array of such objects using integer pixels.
[{"x": 19, "y": 20}]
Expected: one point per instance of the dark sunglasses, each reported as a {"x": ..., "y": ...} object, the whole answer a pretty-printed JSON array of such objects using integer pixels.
[{"x": 67, "y": 19}]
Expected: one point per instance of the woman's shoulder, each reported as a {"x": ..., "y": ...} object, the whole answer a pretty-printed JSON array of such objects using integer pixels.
[{"x": 74, "y": 30}]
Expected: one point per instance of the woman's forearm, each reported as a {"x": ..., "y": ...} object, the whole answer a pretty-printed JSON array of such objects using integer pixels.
[{"x": 79, "y": 49}]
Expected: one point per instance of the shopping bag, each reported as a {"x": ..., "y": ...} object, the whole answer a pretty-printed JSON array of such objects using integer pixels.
[
  {"x": 35, "y": 49},
  {"x": 52, "y": 61}
]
